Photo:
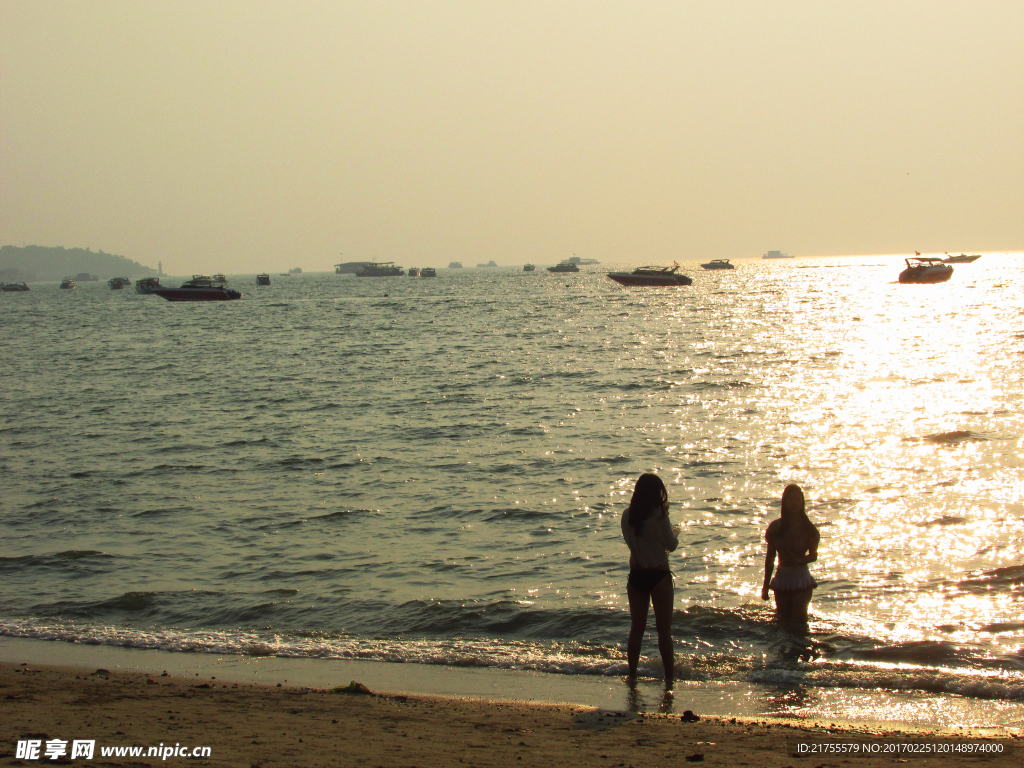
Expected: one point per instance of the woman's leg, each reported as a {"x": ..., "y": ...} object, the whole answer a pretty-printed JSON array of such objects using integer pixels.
[
  {"x": 638, "y": 604},
  {"x": 801, "y": 603},
  {"x": 792, "y": 604},
  {"x": 662, "y": 598}
]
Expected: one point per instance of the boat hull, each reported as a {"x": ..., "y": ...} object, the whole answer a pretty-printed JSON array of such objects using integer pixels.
[
  {"x": 197, "y": 294},
  {"x": 667, "y": 281},
  {"x": 928, "y": 275}
]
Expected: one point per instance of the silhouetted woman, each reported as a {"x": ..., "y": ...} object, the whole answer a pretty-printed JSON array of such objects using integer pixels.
[
  {"x": 794, "y": 538},
  {"x": 650, "y": 537}
]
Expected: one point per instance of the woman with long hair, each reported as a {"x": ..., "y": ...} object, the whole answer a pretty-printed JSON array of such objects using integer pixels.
[
  {"x": 794, "y": 539},
  {"x": 650, "y": 537}
]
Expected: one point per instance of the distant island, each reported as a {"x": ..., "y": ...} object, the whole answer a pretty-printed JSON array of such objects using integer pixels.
[{"x": 39, "y": 262}]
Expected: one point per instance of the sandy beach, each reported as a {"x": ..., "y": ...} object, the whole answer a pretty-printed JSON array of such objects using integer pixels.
[{"x": 246, "y": 724}]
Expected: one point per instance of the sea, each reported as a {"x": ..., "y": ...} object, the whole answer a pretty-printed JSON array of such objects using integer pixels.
[{"x": 432, "y": 470}]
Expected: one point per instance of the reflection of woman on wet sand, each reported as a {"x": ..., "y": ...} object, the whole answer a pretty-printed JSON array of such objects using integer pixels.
[{"x": 794, "y": 538}]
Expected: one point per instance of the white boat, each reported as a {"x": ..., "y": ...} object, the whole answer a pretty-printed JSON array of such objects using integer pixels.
[
  {"x": 925, "y": 270},
  {"x": 146, "y": 285},
  {"x": 963, "y": 258}
]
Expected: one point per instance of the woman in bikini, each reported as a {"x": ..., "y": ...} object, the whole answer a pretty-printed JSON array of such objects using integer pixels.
[
  {"x": 650, "y": 537},
  {"x": 794, "y": 539}
]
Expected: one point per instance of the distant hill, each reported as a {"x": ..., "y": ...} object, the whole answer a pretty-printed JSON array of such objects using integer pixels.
[{"x": 38, "y": 262}]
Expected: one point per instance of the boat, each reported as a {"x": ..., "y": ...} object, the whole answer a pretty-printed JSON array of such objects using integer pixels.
[
  {"x": 199, "y": 288},
  {"x": 428, "y": 272},
  {"x": 13, "y": 287},
  {"x": 67, "y": 283},
  {"x": 263, "y": 279},
  {"x": 117, "y": 283},
  {"x": 528, "y": 267},
  {"x": 718, "y": 264},
  {"x": 296, "y": 270},
  {"x": 564, "y": 266},
  {"x": 383, "y": 269},
  {"x": 581, "y": 262},
  {"x": 490, "y": 263},
  {"x": 651, "y": 276},
  {"x": 925, "y": 270},
  {"x": 454, "y": 265},
  {"x": 219, "y": 278},
  {"x": 414, "y": 271},
  {"x": 963, "y": 258},
  {"x": 146, "y": 285},
  {"x": 776, "y": 255}
]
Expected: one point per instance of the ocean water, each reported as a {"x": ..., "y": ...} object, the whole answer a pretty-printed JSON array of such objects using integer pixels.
[{"x": 432, "y": 470}]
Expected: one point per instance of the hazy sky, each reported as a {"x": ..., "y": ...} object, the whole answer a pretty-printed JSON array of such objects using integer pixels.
[{"x": 247, "y": 135}]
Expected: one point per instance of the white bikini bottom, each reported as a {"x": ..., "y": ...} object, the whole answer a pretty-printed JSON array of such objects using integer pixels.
[{"x": 789, "y": 578}]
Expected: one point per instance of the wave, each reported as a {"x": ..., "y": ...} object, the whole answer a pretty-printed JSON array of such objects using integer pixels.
[{"x": 566, "y": 658}]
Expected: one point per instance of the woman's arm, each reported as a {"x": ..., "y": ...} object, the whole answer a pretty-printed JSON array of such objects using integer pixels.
[
  {"x": 669, "y": 536},
  {"x": 769, "y": 566}
]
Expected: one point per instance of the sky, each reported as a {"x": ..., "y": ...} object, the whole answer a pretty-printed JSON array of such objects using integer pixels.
[{"x": 239, "y": 136}]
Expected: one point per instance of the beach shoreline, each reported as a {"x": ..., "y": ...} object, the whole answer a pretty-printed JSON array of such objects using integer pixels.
[{"x": 246, "y": 724}]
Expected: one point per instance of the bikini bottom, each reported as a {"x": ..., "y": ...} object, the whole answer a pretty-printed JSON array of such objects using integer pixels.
[{"x": 646, "y": 579}]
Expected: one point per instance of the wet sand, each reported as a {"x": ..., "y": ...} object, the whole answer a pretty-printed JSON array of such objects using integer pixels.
[{"x": 246, "y": 724}]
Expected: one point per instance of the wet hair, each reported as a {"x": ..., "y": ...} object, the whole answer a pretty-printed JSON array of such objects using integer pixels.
[{"x": 649, "y": 495}]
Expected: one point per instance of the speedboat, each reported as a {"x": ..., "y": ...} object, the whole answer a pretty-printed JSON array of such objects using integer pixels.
[
  {"x": 657, "y": 276},
  {"x": 15, "y": 287},
  {"x": 428, "y": 272},
  {"x": 146, "y": 285},
  {"x": 117, "y": 283},
  {"x": 384, "y": 269},
  {"x": 963, "y": 258},
  {"x": 67, "y": 283},
  {"x": 565, "y": 266},
  {"x": 263, "y": 279},
  {"x": 925, "y": 270},
  {"x": 718, "y": 264},
  {"x": 199, "y": 288}
]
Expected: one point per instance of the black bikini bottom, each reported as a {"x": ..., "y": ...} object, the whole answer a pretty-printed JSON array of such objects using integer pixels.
[{"x": 646, "y": 579}]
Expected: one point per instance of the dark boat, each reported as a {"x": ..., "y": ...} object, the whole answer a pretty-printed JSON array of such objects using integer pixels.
[
  {"x": 428, "y": 272},
  {"x": 117, "y": 283},
  {"x": 652, "y": 276},
  {"x": 13, "y": 287},
  {"x": 718, "y": 264},
  {"x": 263, "y": 279},
  {"x": 925, "y": 270},
  {"x": 528, "y": 267},
  {"x": 145, "y": 285},
  {"x": 199, "y": 288},
  {"x": 384, "y": 269},
  {"x": 68, "y": 283},
  {"x": 565, "y": 266}
]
